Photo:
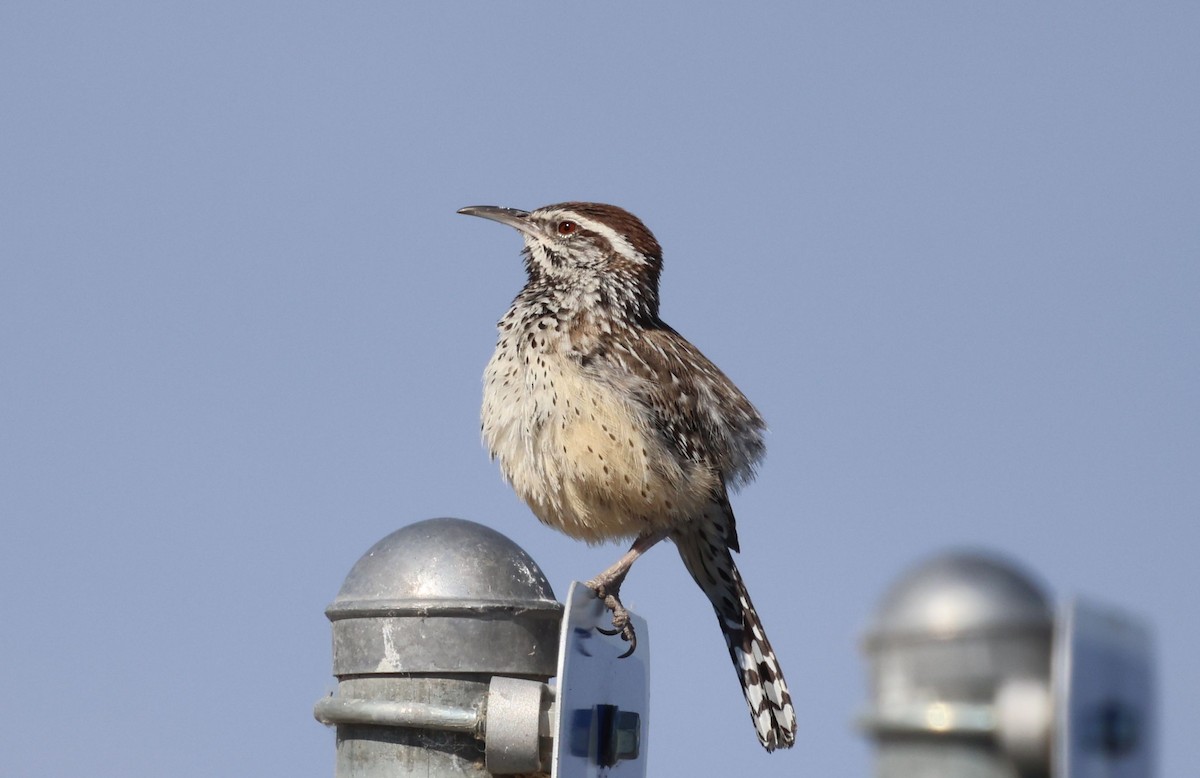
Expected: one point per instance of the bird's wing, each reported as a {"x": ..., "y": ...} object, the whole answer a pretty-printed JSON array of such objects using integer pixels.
[{"x": 692, "y": 404}]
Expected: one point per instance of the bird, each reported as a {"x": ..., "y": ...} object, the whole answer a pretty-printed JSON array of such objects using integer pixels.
[{"x": 610, "y": 425}]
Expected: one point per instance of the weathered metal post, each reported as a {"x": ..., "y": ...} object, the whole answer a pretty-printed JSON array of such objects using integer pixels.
[
  {"x": 975, "y": 675},
  {"x": 960, "y": 651},
  {"x": 444, "y": 632}
]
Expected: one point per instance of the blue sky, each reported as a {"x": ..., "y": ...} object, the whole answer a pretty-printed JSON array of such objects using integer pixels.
[{"x": 952, "y": 253}]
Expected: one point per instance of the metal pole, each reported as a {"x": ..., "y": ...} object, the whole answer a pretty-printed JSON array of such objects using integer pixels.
[
  {"x": 436, "y": 626},
  {"x": 960, "y": 655}
]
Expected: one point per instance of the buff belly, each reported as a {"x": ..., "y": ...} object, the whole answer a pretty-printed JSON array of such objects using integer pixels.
[{"x": 587, "y": 464}]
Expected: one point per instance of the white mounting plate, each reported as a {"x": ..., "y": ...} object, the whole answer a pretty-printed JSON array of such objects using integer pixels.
[
  {"x": 1104, "y": 694},
  {"x": 591, "y": 678}
]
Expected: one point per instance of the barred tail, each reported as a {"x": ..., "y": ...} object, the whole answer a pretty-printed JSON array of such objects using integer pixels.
[{"x": 706, "y": 554}]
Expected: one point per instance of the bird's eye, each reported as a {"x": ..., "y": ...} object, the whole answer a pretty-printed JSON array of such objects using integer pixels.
[{"x": 567, "y": 227}]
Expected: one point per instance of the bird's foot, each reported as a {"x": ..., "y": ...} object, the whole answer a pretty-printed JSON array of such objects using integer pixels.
[{"x": 608, "y": 592}]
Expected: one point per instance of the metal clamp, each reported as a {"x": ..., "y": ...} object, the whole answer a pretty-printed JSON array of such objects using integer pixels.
[{"x": 518, "y": 736}]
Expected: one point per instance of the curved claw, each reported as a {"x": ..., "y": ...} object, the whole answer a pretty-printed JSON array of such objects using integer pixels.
[
  {"x": 620, "y": 618},
  {"x": 627, "y": 634}
]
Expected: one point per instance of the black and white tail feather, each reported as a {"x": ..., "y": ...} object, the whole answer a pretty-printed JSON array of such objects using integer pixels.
[{"x": 710, "y": 561}]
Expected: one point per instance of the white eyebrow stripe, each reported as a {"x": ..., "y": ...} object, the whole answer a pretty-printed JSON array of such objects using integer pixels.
[{"x": 618, "y": 241}]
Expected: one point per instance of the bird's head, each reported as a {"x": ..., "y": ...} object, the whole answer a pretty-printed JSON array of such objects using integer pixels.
[{"x": 587, "y": 245}]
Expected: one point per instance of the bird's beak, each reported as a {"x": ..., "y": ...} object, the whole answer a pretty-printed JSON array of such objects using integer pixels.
[{"x": 518, "y": 220}]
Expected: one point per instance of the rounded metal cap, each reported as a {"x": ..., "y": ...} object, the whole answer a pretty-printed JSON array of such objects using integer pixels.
[
  {"x": 445, "y": 595},
  {"x": 957, "y": 593},
  {"x": 436, "y": 562}
]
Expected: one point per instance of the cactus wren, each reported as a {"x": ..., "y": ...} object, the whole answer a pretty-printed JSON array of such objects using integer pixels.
[{"x": 610, "y": 425}]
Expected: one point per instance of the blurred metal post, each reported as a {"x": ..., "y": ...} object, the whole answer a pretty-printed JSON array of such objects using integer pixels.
[
  {"x": 444, "y": 634},
  {"x": 973, "y": 676},
  {"x": 950, "y": 639}
]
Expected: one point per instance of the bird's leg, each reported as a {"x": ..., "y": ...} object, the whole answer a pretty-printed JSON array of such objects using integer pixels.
[{"x": 607, "y": 587}]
